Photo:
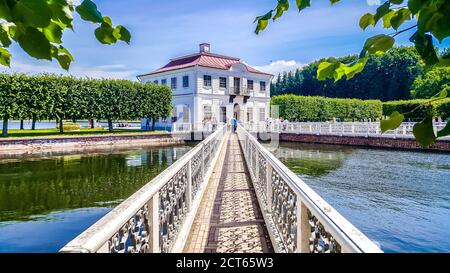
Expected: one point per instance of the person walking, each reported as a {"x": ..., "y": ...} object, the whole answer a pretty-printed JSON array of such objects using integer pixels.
[{"x": 234, "y": 124}]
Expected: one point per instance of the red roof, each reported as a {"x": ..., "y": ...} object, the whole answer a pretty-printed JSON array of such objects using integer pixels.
[{"x": 203, "y": 59}]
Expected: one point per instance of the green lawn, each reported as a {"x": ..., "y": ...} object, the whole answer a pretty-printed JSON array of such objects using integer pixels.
[{"x": 82, "y": 132}]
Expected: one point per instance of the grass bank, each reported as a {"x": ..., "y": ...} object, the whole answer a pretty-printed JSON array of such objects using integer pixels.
[{"x": 82, "y": 132}]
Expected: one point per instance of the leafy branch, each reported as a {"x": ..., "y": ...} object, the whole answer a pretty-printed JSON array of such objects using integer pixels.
[
  {"x": 432, "y": 20},
  {"x": 38, "y": 26}
]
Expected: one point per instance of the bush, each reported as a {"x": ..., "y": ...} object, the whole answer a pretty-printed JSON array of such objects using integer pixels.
[
  {"x": 70, "y": 126},
  {"x": 439, "y": 109},
  {"x": 309, "y": 108}
]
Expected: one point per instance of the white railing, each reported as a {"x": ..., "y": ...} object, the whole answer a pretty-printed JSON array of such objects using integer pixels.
[
  {"x": 197, "y": 127},
  {"x": 366, "y": 129},
  {"x": 297, "y": 218},
  {"x": 157, "y": 218}
]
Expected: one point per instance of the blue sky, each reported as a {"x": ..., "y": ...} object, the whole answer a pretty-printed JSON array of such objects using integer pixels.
[{"x": 164, "y": 29}]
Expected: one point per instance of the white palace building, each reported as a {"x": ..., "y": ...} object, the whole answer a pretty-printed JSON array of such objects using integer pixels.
[{"x": 210, "y": 89}]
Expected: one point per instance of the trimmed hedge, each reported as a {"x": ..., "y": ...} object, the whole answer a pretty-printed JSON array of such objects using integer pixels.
[
  {"x": 309, "y": 108},
  {"x": 50, "y": 96},
  {"x": 439, "y": 109}
]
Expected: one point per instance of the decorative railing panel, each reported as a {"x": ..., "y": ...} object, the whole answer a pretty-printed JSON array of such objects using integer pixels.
[
  {"x": 367, "y": 129},
  {"x": 297, "y": 218},
  {"x": 152, "y": 219}
]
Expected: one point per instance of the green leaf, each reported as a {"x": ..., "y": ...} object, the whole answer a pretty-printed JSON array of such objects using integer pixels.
[
  {"x": 415, "y": 5},
  {"x": 441, "y": 95},
  {"x": 121, "y": 33},
  {"x": 88, "y": 12},
  {"x": 5, "y": 57},
  {"x": 53, "y": 32},
  {"x": 394, "y": 121},
  {"x": 282, "y": 6},
  {"x": 400, "y": 17},
  {"x": 34, "y": 13},
  {"x": 379, "y": 44},
  {"x": 326, "y": 70},
  {"x": 387, "y": 19},
  {"x": 107, "y": 21},
  {"x": 63, "y": 56},
  {"x": 444, "y": 132},
  {"x": 366, "y": 20},
  {"x": 424, "y": 132},
  {"x": 424, "y": 46},
  {"x": 382, "y": 11},
  {"x": 334, "y": 1},
  {"x": 35, "y": 43},
  {"x": 5, "y": 12},
  {"x": 303, "y": 4},
  {"x": 4, "y": 35},
  {"x": 105, "y": 35},
  {"x": 396, "y": 2},
  {"x": 62, "y": 11},
  {"x": 263, "y": 21},
  {"x": 354, "y": 68}
]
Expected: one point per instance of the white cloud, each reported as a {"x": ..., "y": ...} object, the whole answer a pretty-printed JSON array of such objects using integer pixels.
[
  {"x": 374, "y": 2},
  {"x": 116, "y": 71},
  {"x": 280, "y": 66}
]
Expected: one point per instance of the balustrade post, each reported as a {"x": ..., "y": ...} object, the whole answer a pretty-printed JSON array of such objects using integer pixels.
[
  {"x": 330, "y": 128},
  {"x": 189, "y": 186},
  {"x": 404, "y": 130},
  {"x": 203, "y": 163},
  {"x": 268, "y": 188},
  {"x": 353, "y": 128},
  {"x": 303, "y": 228},
  {"x": 153, "y": 208}
]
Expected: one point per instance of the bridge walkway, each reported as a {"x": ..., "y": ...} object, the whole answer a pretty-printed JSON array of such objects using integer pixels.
[{"x": 229, "y": 219}]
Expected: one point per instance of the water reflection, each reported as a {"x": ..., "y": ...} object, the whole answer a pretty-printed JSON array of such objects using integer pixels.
[
  {"x": 400, "y": 199},
  {"x": 44, "y": 193}
]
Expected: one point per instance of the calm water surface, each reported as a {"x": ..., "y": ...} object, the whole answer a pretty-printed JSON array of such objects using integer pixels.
[
  {"x": 47, "y": 201},
  {"x": 400, "y": 199}
]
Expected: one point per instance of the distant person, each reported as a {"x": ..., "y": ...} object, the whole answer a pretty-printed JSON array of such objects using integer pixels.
[{"x": 234, "y": 124}]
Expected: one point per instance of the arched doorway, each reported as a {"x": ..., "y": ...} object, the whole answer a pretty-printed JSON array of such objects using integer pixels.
[{"x": 237, "y": 112}]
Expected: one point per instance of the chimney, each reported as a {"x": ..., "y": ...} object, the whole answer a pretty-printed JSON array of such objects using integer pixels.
[{"x": 205, "y": 48}]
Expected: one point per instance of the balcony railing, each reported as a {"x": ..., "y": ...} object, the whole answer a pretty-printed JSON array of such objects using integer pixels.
[
  {"x": 157, "y": 218},
  {"x": 239, "y": 91},
  {"x": 297, "y": 218}
]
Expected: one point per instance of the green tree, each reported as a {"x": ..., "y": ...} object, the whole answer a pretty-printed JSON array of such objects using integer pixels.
[
  {"x": 9, "y": 87},
  {"x": 37, "y": 26},
  {"x": 156, "y": 102},
  {"x": 432, "y": 82}
]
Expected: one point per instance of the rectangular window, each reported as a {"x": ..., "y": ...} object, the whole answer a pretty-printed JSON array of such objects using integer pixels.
[
  {"x": 185, "y": 81},
  {"x": 206, "y": 80},
  {"x": 250, "y": 84},
  {"x": 155, "y": 81},
  {"x": 262, "y": 114},
  {"x": 249, "y": 114},
  {"x": 185, "y": 113},
  {"x": 207, "y": 112},
  {"x": 174, "y": 114},
  {"x": 223, "y": 82},
  {"x": 173, "y": 83},
  {"x": 164, "y": 82},
  {"x": 262, "y": 86}
]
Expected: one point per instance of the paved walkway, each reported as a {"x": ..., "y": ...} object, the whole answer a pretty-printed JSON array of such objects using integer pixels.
[{"x": 229, "y": 218}]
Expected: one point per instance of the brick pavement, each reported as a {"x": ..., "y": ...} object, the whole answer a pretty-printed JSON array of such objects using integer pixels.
[{"x": 229, "y": 218}]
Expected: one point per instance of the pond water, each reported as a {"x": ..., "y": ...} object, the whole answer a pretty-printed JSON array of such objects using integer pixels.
[
  {"x": 399, "y": 199},
  {"x": 47, "y": 201}
]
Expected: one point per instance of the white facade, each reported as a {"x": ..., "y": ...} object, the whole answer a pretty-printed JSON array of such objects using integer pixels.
[{"x": 199, "y": 101}]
